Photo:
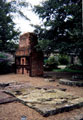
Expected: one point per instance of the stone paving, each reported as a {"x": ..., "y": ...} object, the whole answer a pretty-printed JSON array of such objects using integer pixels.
[
  {"x": 44, "y": 95},
  {"x": 47, "y": 101},
  {"x": 71, "y": 82},
  {"x": 5, "y": 98}
]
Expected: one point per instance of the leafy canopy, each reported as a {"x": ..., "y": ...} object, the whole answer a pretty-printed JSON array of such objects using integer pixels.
[
  {"x": 8, "y": 33},
  {"x": 61, "y": 20},
  {"x": 62, "y": 25}
]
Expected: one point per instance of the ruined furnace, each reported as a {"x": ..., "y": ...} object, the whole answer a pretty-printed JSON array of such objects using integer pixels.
[{"x": 28, "y": 60}]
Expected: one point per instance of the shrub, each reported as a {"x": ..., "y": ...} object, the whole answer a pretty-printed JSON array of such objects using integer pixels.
[
  {"x": 2, "y": 56},
  {"x": 5, "y": 63},
  {"x": 63, "y": 60},
  {"x": 5, "y": 67},
  {"x": 50, "y": 64}
]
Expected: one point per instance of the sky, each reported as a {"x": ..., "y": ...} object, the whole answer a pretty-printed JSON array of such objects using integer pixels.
[{"x": 24, "y": 25}]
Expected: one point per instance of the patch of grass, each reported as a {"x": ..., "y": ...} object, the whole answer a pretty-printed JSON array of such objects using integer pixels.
[{"x": 67, "y": 70}]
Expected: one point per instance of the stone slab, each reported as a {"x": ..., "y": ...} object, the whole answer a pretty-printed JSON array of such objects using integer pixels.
[
  {"x": 71, "y": 83},
  {"x": 5, "y": 98},
  {"x": 48, "y": 101}
]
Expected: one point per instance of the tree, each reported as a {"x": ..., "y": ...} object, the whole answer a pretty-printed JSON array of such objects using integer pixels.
[
  {"x": 8, "y": 34},
  {"x": 62, "y": 25}
]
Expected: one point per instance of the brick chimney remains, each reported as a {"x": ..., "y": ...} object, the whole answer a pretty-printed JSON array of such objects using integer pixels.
[{"x": 28, "y": 60}]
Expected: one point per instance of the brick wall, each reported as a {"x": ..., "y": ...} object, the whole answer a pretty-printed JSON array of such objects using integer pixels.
[{"x": 27, "y": 47}]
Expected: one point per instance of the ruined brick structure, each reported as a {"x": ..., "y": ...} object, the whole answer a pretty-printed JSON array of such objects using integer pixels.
[{"x": 28, "y": 60}]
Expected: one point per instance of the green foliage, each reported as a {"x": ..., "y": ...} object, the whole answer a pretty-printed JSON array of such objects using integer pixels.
[
  {"x": 68, "y": 70},
  {"x": 44, "y": 46},
  {"x": 62, "y": 25},
  {"x": 8, "y": 34},
  {"x": 5, "y": 63},
  {"x": 11, "y": 47},
  {"x": 63, "y": 59},
  {"x": 2, "y": 56},
  {"x": 51, "y": 60},
  {"x": 7, "y": 31},
  {"x": 71, "y": 68},
  {"x": 51, "y": 63},
  {"x": 17, "y": 7},
  {"x": 5, "y": 67}
]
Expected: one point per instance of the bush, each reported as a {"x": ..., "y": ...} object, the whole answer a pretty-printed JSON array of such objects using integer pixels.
[
  {"x": 50, "y": 64},
  {"x": 5, "y": 63},
  {"x": 2, "y": 56},
  {"x": 5, "y": 67},
  {"x": 63, "y": 60}
]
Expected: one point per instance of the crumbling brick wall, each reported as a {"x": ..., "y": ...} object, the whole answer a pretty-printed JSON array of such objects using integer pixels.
[{"x": 27, "y": 49}]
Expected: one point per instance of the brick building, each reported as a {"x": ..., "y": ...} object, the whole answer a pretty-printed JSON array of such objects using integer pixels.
[{"x": 28, "y": 60}]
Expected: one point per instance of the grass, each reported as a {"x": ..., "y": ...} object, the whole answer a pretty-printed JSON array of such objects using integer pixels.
[{"x": 67, "y": 70}]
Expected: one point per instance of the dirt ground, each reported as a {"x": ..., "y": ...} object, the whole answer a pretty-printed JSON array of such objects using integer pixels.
[{"x": 15, "y": 110}]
